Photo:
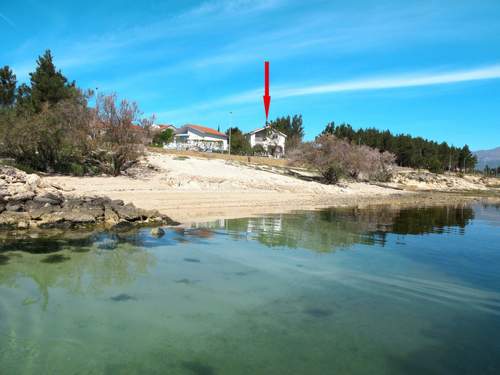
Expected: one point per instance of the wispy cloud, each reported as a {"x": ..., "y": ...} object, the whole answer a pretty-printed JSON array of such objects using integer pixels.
[
  {"x": 396, "y": 81},
  {"x": 8, "y": 21},
  {"x": 415, "y": 79}
]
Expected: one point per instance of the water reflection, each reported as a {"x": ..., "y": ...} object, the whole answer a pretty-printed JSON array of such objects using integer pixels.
[
  {"x": 331, "y": 229},
  {"x": 81, "y": 264},
  {"x": 92, "y": 261}
]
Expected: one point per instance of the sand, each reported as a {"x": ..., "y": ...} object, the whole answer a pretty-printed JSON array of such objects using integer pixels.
[{"x": 197, "y": 189}]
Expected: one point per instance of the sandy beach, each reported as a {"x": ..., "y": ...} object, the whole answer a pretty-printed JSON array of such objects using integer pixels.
[{"x": 194, "y": 189}]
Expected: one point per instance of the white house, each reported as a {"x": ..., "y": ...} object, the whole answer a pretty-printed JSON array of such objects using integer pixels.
[
  {"x": 163, "y": 127},
  {"x": 199, "y": 138},
  {"x": 272, "y": 140}
]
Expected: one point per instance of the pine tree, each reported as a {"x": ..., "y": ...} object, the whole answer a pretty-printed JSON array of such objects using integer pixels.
[
  {"x": 48, "y": 85},
  {"x": 415, "y": 152},
  {"x": 8, "y": 84}
]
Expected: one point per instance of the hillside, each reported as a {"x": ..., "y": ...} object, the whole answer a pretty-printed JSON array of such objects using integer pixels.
[{"x": 488, "y": 157}]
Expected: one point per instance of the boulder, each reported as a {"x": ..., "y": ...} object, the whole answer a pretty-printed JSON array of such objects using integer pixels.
[{"x": 130, "y": 213}]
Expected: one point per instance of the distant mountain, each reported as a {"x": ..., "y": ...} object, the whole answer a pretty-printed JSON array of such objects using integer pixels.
[{"x": 489, "y": 158}]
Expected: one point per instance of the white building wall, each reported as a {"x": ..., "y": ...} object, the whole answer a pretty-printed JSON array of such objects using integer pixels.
[{"x": 203, "y": 141}]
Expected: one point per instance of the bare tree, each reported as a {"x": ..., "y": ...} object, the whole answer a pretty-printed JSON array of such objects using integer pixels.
[
  {"x": 118, "y": 133},
  {"x": 334, "y": 158}
]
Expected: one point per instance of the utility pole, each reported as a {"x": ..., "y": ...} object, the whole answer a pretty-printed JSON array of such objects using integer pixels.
[{"x": 230, "y": 127}]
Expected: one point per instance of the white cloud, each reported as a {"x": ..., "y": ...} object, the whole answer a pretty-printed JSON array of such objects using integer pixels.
[
  {"x": 396, "y": 81},
  {"x": 370, "y": 83},
  {"x": 8, "y": 20}
]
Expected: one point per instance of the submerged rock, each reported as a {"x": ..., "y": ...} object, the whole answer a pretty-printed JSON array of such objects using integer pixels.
[{"x": 157, "y": 232}]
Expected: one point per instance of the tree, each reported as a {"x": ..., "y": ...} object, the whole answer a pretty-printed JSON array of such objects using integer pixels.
[
  {"x": 163, "y": 137},
  {"x": 414, "y": 152},
  {"x": 466, "y": 159},
  {"x": 239, "y": 143},
  {"x": 334, "y": 158},
  {"x": 292, "y": 127},
  {"x": 48, "y": 85},
  {"x": 8, "y": 84},
  {"x": 119, "y": 140}
]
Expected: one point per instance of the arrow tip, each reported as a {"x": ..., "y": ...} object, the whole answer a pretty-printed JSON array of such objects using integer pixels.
[{"x": 267, "y": 103}]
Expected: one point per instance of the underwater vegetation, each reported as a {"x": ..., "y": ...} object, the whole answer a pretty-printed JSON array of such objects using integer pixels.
[
  {"x": 192, "y": 260},
  {"x": 123, "y": 297},
  {"x": 4, "y": 259},
  {"x": 55, "y": 258},
  {"x": 316, "y": 312},
  {"x": 198, "y": 368},
  {"x": 186, "y": 281}
]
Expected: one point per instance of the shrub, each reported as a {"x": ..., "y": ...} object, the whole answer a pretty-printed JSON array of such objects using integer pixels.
[
  {"x": 258, "y": 150},
  {"x": 335, "y": 158},
  {"x": 161, "y": 138}
]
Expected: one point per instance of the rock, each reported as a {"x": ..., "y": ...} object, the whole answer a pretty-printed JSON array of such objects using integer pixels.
[
  {"x": 110, "y": 216},
  {"x": 14, "y": 220},
  {"x": 157, "y": 232},
  {"x": 37, "y": 213},
  {"x": 20, "y": 196},
  {"x": 53, "y": 220},
  {"x": 14, "y": 206},
  {"x": 33, "y": 181},
  {"x": 26, "y": 201},
  {"x": 49, "y": 198},
  {"x": 130, "y": 213}
]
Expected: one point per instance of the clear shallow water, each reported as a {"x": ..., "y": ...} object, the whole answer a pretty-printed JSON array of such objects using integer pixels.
[{"x": 331, "y": 292}]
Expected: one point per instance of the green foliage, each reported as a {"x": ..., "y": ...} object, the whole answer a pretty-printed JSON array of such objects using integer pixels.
[
  {"x": 48, "y": 85},
  {"x": 258, "y": 150},
  {"x": 48, "y": 126},
  {"x": 239, "y": 143},
  {"x": 292, "y": 127},
  {"x": 162, "y": 138},
  {"x": 414, "y": 152},
  {"x": 7, "y": 87}
]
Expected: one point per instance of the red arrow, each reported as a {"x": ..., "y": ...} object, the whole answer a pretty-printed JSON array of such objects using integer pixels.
[{"x": 267, "y": 98}]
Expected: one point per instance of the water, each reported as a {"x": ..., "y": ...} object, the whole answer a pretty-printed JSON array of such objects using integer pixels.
[{"x": 339, "y": 291}]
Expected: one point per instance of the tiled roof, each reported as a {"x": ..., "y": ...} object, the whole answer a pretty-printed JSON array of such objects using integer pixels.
[{"x": 205, "y": 130}]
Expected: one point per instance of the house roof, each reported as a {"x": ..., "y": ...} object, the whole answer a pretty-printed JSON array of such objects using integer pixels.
[
  {"x": 204, "y": 130},
  {"x": 165, "y": 126},
  {"x": 265, "y": 127},
  {"x": 136, "y": 127}
]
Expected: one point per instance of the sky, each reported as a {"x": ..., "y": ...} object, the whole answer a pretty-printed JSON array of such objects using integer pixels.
[{"x": 427, "y": 68}]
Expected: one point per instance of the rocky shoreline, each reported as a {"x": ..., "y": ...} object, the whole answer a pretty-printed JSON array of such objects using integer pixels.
[{"x": 29, "y": 202}]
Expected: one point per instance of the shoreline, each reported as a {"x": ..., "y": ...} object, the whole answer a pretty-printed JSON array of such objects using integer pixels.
[
  {"x": 192, "y": 189},
  {"x": 195, "y": 189}
]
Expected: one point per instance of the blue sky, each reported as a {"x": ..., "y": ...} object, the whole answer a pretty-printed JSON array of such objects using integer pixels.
[{"x": 428, "y": 68}]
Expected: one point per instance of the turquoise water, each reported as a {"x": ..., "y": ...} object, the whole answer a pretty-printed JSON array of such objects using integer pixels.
[{"x": 341, "y": 291}]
